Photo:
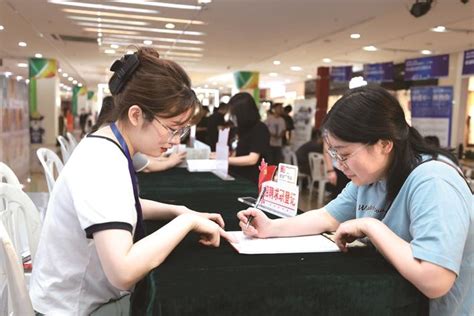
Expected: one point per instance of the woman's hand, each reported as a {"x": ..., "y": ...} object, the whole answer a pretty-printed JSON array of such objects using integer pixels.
[
  {"x": 350, "y": 231},
  {"x": 176, "y": 158},
  {"x": 215, "y": 217},
  {"x": 260, "y": 225},
  {"x": 210, "y": 232}
]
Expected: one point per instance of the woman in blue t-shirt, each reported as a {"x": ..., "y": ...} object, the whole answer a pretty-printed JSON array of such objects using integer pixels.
[{"x": 407, "y": 197}]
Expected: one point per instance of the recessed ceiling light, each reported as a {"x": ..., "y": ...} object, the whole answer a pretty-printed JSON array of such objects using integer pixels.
[
  {"x": 426, "y": 52},
  {"x": 147, "y": 42},
  {"x": 439, "y": 29},
  {"x": 370, "y": 48},
  {"x": 74, "y": 82},
  {"x": 161, "y": 4},
  {"x": 296, "y": 68},
  {"x": 101, "y": 6},
  {"x": 70, "y": 78},
  {"x": 22, "y": 65},
  {"x": 18, "y": 78},
  {"x": 38, "y": 55},
  {"x": 60, "y": 70},
  {"x": 309, "y": 76},
  {"x": 99, "y": 34},
  {"x": 355, "y": 35},
  {"x": 22, "y": 44},
  {"x": 79, "y": 84},
  {"x": 114, "y": 46},
  {"x": 327, "y": 60},
  {"x": 109, "y": 51},
  {"x": 273, "y": 74},
  {"x": 2, "y": 27},
  {"x": 169, "y": 25},
  {"x": 65, "y": 75},
  {"x": 276, "y": 62}
]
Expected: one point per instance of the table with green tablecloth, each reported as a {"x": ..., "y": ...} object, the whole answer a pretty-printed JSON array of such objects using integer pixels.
[{"x": 198, "y": 280}]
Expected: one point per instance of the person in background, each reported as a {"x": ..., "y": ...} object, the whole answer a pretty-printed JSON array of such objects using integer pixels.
[
  {"x": 93, "y": 248},
  {"x": 253, "y": 137},
  {"x": 215, "y": 122},
  {"x": 277, "y": 127},
  {"x": 201, "y": 127},
  {"x": 432, "y": 141},
  {"x": 290, "y": 125},
  {"x": 141, "y": 162},
  {"x": 410, "y": 199},
  {"x": 315, "y": 144}
]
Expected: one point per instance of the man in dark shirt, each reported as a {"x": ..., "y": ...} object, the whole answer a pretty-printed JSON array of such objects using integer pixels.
[
  {"x": 290, "y": 125},
  {"x": 315, "y": 144}
]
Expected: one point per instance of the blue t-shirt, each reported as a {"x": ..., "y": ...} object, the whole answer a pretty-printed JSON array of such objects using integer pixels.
[{"x": 434, "y": 213}]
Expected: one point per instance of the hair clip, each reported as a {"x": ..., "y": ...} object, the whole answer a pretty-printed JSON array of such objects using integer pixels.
[{"x": 123, "y": 70}]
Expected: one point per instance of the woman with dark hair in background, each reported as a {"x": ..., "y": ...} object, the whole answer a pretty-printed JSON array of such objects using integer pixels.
[
  {"x": 253, "y": 137},
  {"x": 93, "y": 247},
  {"x": 409, "y": 198}
]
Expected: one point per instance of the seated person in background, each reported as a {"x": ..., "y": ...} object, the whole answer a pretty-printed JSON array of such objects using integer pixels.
[
  {"x": 201, "y": 127},
  {"x": 315, "y": 144},
  {"x": 432, "y": 141},
  {"x": 216, "y": 122}
]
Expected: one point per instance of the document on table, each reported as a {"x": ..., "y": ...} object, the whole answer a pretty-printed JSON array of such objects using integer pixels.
[{"x": 300, "y": 244}]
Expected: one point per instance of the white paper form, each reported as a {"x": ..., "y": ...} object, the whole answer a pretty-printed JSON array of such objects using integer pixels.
[{"x": 300, "y": 244}]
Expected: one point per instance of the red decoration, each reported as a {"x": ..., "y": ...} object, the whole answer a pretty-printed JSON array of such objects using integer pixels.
[{"x": 266, "y": 173}]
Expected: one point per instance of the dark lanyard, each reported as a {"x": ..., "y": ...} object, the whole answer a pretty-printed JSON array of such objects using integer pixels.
[{"x": 139, "y": 230}]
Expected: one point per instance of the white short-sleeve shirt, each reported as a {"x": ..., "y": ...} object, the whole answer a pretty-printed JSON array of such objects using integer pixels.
[{"x": 93, "y": 192}]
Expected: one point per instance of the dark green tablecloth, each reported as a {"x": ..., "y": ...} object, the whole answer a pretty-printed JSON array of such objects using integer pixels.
[{"x": 196, "y": 280}]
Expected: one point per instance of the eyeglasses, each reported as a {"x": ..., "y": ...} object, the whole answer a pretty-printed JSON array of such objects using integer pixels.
[
  {"x": 180, "y": 132},
  {"x": 343, "y": 159}
]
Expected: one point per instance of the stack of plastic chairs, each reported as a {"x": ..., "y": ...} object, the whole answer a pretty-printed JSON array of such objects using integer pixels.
[
  {"x": 289, "y": 157},
  {"x": 52, "y": 165},
  {"x": 318, "y": 174}
]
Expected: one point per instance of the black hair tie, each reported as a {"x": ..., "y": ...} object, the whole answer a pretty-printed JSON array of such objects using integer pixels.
[{"x": 123, "y": 70}]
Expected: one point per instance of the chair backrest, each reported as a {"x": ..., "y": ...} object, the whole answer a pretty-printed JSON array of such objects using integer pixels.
[
  {"x": 14, "y": 298},
  {"x": 317, "y": 166},
  {"x": 7, "y": 175},
  {"x": 72, "y": 141},
  {"x": 21, "y": 219},
  {"x": 289, "y": 156},
  {"x": 52, "y": 165},
  {"x": 65, "y": 148}
]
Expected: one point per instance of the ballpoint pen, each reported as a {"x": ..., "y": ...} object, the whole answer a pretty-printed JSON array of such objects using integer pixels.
[{"x": 257, "y": 203}]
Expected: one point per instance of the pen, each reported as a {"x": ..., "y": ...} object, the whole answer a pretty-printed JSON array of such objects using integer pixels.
[{"x": 250, "y": 218}]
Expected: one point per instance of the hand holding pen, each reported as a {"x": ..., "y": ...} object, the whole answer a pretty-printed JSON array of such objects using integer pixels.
[{"x": 257, "y": 204}]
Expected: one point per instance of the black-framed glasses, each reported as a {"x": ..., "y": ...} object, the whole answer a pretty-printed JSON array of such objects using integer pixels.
[{"x": 180, "y": 132}]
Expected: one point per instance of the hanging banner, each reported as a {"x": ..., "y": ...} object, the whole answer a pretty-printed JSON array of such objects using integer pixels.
[
  {"x": 382, "y": 72},
  {"x": 76, "y": 92},
  {"x": 90, "y": 95},
  {"x": 341, "y": 74},
  {"x": 247, "y": 81},
  {"x": 431, "y": 111},
  {"x": 468, "y": 63},
  {"x": 39, "y": 68},
  {"x": 427, "y": 67}
]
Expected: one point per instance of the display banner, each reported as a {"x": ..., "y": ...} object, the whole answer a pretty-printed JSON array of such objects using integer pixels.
[
  {"x": 427, "y": 67},
  {"x": 468, "y": 63},
  {"x": 247, "y": 81},
  {"x": 382, "y": 72},
  {"x": 431, "y": 111},
  {"x": 76, "y": 92},
  {"x": 39, "y": 68},
  {"x": 341, "y": 74}
]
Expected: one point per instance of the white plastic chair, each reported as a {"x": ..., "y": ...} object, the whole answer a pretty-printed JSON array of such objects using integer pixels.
[
  {"x": 7, "y": 175},
  {"x": 65, "y": 148},
  {"x": 20, "y": 218},
  {"x": 14, "y": 298},
  {"x": 318, "y": 174},
  {"x": 289, "y": 157},
  {"x": 51, "y": 165},
  {"x": 72, "y": 141}
]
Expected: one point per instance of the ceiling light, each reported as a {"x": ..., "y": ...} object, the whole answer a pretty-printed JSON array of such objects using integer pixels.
[
  {"x": 309, "y": 76},
  {"x": 165, "y": 47},
  {"x": 114, "y": 46},
  {"x": 74, "y": 82},
  {"x": 204, "y": 1},
  {"x": 60, "y": 70},
  {"x": 101, "y": 6},
  {"x": 327, "y": 60},
  {"x": 22, "y": 65},
  {"x": 85, "y": 18},
  {"x": 169, "y": 25},
  {"x": 184, "y": 54},
  {"x": 134, "y": 17},
  {"x": 147, "y": 42},
  {"x": 439, "y": 29},
  {"x": 22, "y": 44},
  {"x": 109, "y": 51},
  {"x": 143, "y": 29},
  {"x": 79, "y": 84},
  {"x": 38, "y": 55},
  {"x": 161, "y": 4},
  {"x": 18, "y": 78},
  {"x": 273, "y": 74},
  {"x": 70, "y": 78},
  {"x": 159, "y": 39},
  {"x": 355, "y": 35},
  {"x": 426, "y": 52},
  {"x": 276, "y": 62},
  {"x": 27, "y": 81},
  {"x": 99, "y": 34},
  {"x": 370, "y": 48},
  {"x": 109, "y": 31},
  {"x": 2, "y": 27},
  {"x": 65, "y": 75},
  {"x": 296, "y": 68}
]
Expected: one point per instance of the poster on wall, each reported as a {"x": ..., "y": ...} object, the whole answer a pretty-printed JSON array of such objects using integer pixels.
[
  {"x": 431, "y": 111},
  {"x": 427, "y": 67},
  {"x": 382, "y": 72},
  {"x": 468, "y": 62},
  {"x": 303, "y": 118}
]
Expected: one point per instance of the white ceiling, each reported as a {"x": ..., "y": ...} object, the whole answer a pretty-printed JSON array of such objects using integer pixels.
[{"x": 242, "y": 35}]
